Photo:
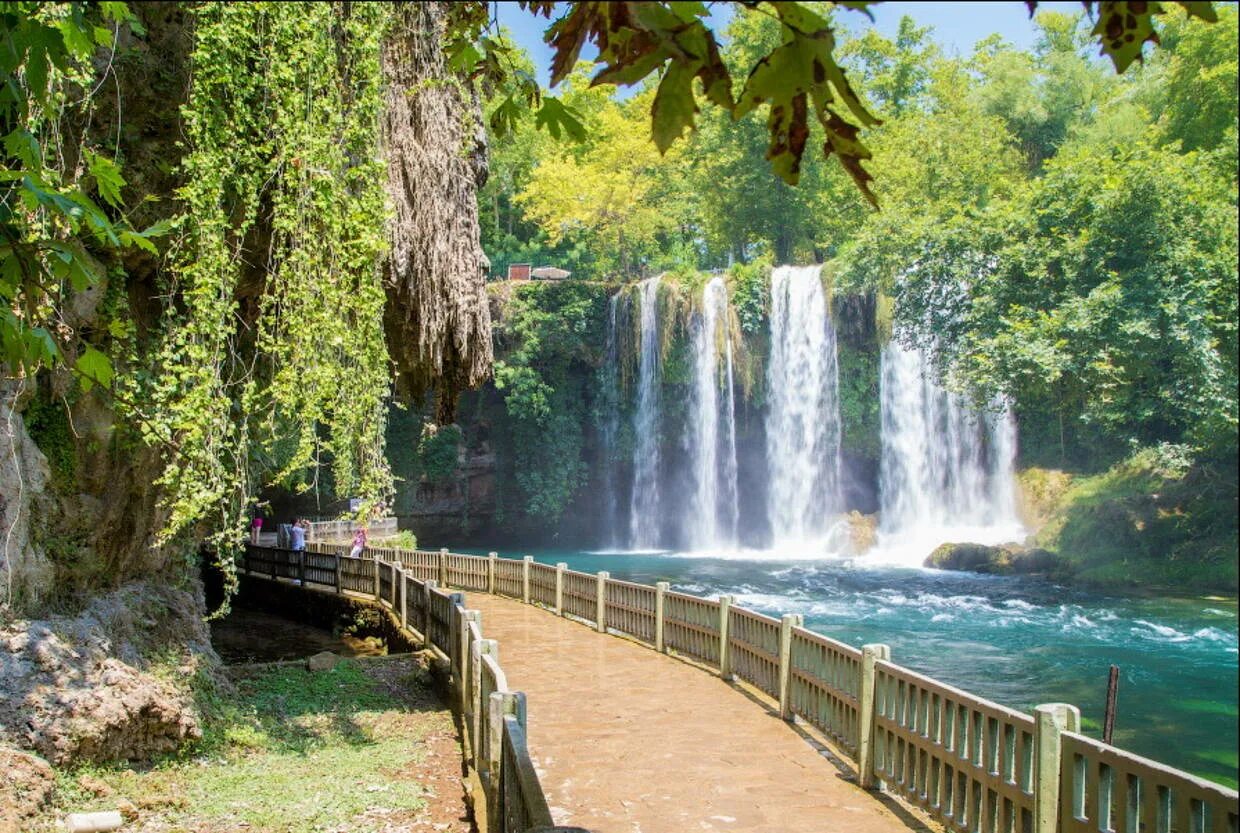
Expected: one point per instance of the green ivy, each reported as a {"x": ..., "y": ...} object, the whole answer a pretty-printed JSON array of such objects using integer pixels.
[{"x": 284, "y": 206}]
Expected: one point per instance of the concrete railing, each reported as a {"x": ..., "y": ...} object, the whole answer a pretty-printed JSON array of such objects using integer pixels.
[
  {"x": 969, "y": 763},
  {"x": 492, "y": 716}
]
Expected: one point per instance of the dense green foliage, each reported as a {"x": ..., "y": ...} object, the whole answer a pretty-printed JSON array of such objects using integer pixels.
[
  {"x": 1049, "y": 232},
  {"x": 1052, "y": 232},
  {"x": 56, "y": 174},
  {"x": 548, "y": 335},
  {"x": 303, "y": 141}
]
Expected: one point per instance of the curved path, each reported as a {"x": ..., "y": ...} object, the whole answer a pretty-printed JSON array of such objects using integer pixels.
[{"x": 627, "y": 740}]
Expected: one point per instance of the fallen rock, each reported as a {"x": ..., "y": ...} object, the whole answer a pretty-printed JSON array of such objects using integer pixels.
[
  {"x": 322, "y": 661},
  {"x": 110, "y": 684},
  {"x": 1003, "y": 559},
  {"x": 26, "y": 786}
]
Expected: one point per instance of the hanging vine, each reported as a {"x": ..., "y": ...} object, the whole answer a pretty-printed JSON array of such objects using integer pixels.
[{"x": 274, "y": 359}]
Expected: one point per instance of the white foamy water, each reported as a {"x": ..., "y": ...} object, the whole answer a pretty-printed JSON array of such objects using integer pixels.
[
  {"x": 803, "y": 423},
  {"x": 947, "y": 469},
  {"x": 711, "y": 522},
  {"x": 644, "y": 504}
]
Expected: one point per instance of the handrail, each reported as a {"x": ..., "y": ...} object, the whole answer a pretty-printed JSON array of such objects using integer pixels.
[
  {"x": 493, "y": 716},
  {"x": 968, "y": 762}
]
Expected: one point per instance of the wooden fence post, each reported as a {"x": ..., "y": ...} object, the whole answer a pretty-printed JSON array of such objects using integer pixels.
[
  {"x": 600, "y": 601},
  {"x": 492, "y": 557},
  {"x": 870, "y": 654},
  {"x": 502, "y": 703},
  {"x": 443, "y": 567},
  {"x": 786, "y": 624},
  {"x": 399, "y": 574},
  {"x": 725, "y": 650},
  {"x": 427, "y": 587},
  {"x": 559, "y": 588},
  {"x": 660, "y": 589},
  {"x": 481, "y": 648},
  {"x": 465, "y": 649},
  {"x": 525, "y": 578},
  {"x": 374, "y": 563},
  {"x": 339, "y": 584},
  {"x": 1051, "y": 720}
]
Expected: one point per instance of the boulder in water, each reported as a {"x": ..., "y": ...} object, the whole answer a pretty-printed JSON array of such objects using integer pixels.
[
  {"x": 862, "y": 532},
  {"x": 1003, "y": 559}
]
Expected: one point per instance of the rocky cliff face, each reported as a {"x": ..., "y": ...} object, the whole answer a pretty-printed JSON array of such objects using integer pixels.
[{"x": 26, "y": 573}]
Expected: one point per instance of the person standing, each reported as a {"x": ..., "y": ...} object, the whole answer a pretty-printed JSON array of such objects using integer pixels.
[
  {"x": 256, "y": 529},
  {"x": 297, "y": 535},
  {"x": 359, "y": 542}
]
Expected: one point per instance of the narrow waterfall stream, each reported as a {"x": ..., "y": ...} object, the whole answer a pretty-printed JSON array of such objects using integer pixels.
[
  {"x": 803, "y": 421},
  {"x": 712, "y": 521},
  {"x": 644, "y": 526},
  {"x": 947, "y": 468},
  {"x": 609, "y": 428}
]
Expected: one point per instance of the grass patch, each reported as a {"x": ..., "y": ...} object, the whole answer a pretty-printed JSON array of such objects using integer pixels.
[{"x": 291, "y": 752}]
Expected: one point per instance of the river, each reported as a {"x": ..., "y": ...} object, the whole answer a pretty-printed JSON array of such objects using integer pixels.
[{"x": 1017, "y": 641}]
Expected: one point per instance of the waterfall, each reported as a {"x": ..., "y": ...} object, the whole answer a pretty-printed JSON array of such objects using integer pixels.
[
  {"x": 947, "y": 468},
  {"x": 609, "y": 427},
  {"x": 644, "y": 503},
  {"x": 711, "y": 522},
  {"x": 803, "y": 420}
]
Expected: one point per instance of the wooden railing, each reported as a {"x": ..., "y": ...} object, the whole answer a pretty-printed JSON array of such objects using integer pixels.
[
  {"x": 343, "y": 529},
  {"x": 974, "y": 765},
  {"x": 492, "y": 716}
]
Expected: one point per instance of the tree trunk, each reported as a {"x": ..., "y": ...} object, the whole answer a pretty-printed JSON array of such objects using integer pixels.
[{"x": 437, "y": 320}]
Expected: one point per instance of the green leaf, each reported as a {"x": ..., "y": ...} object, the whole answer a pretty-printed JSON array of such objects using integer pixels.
[
  {"x": 40, "y": 347},
  {"x": 94, "y": 368},
  {"x": 76, "y": 35},
  {"x": 555, "y": 117},
  {"x": 504, "y": 117},
  {"x": 673, "y": 108},
  {"x": 689, "y": 11},
  {"x": 133, "y": 238},
  {"x": 1203, "y": 10},
  {"x": 107, "y": 176},
  {"x": 1124, "y": 28},
  {"x": 463, "y": 58},
  {"x": 22, "y": 145}
]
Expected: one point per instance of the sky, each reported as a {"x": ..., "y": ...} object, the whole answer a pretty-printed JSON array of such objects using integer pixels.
[{"x": 957, "y": 25}]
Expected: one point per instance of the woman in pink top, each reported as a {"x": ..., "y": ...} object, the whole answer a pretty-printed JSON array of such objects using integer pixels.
[{"x": 359, "y": 542}]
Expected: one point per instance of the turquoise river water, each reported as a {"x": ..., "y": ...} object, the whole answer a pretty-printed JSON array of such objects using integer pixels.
[{"x": 1016, "y": 641}]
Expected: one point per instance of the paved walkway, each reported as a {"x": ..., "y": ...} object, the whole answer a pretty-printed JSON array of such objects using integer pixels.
[{"x": 627, "y": 740}]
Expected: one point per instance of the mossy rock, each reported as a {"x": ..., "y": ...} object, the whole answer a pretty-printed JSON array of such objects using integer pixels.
[{"x": 1005, "y": 559}]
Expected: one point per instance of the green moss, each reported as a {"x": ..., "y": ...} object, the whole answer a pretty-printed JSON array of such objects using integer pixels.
[
  {"x": 48, "y": 425},
  {"x": 1155, "y": 520},
  {"x": 860, "y": 412}
]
